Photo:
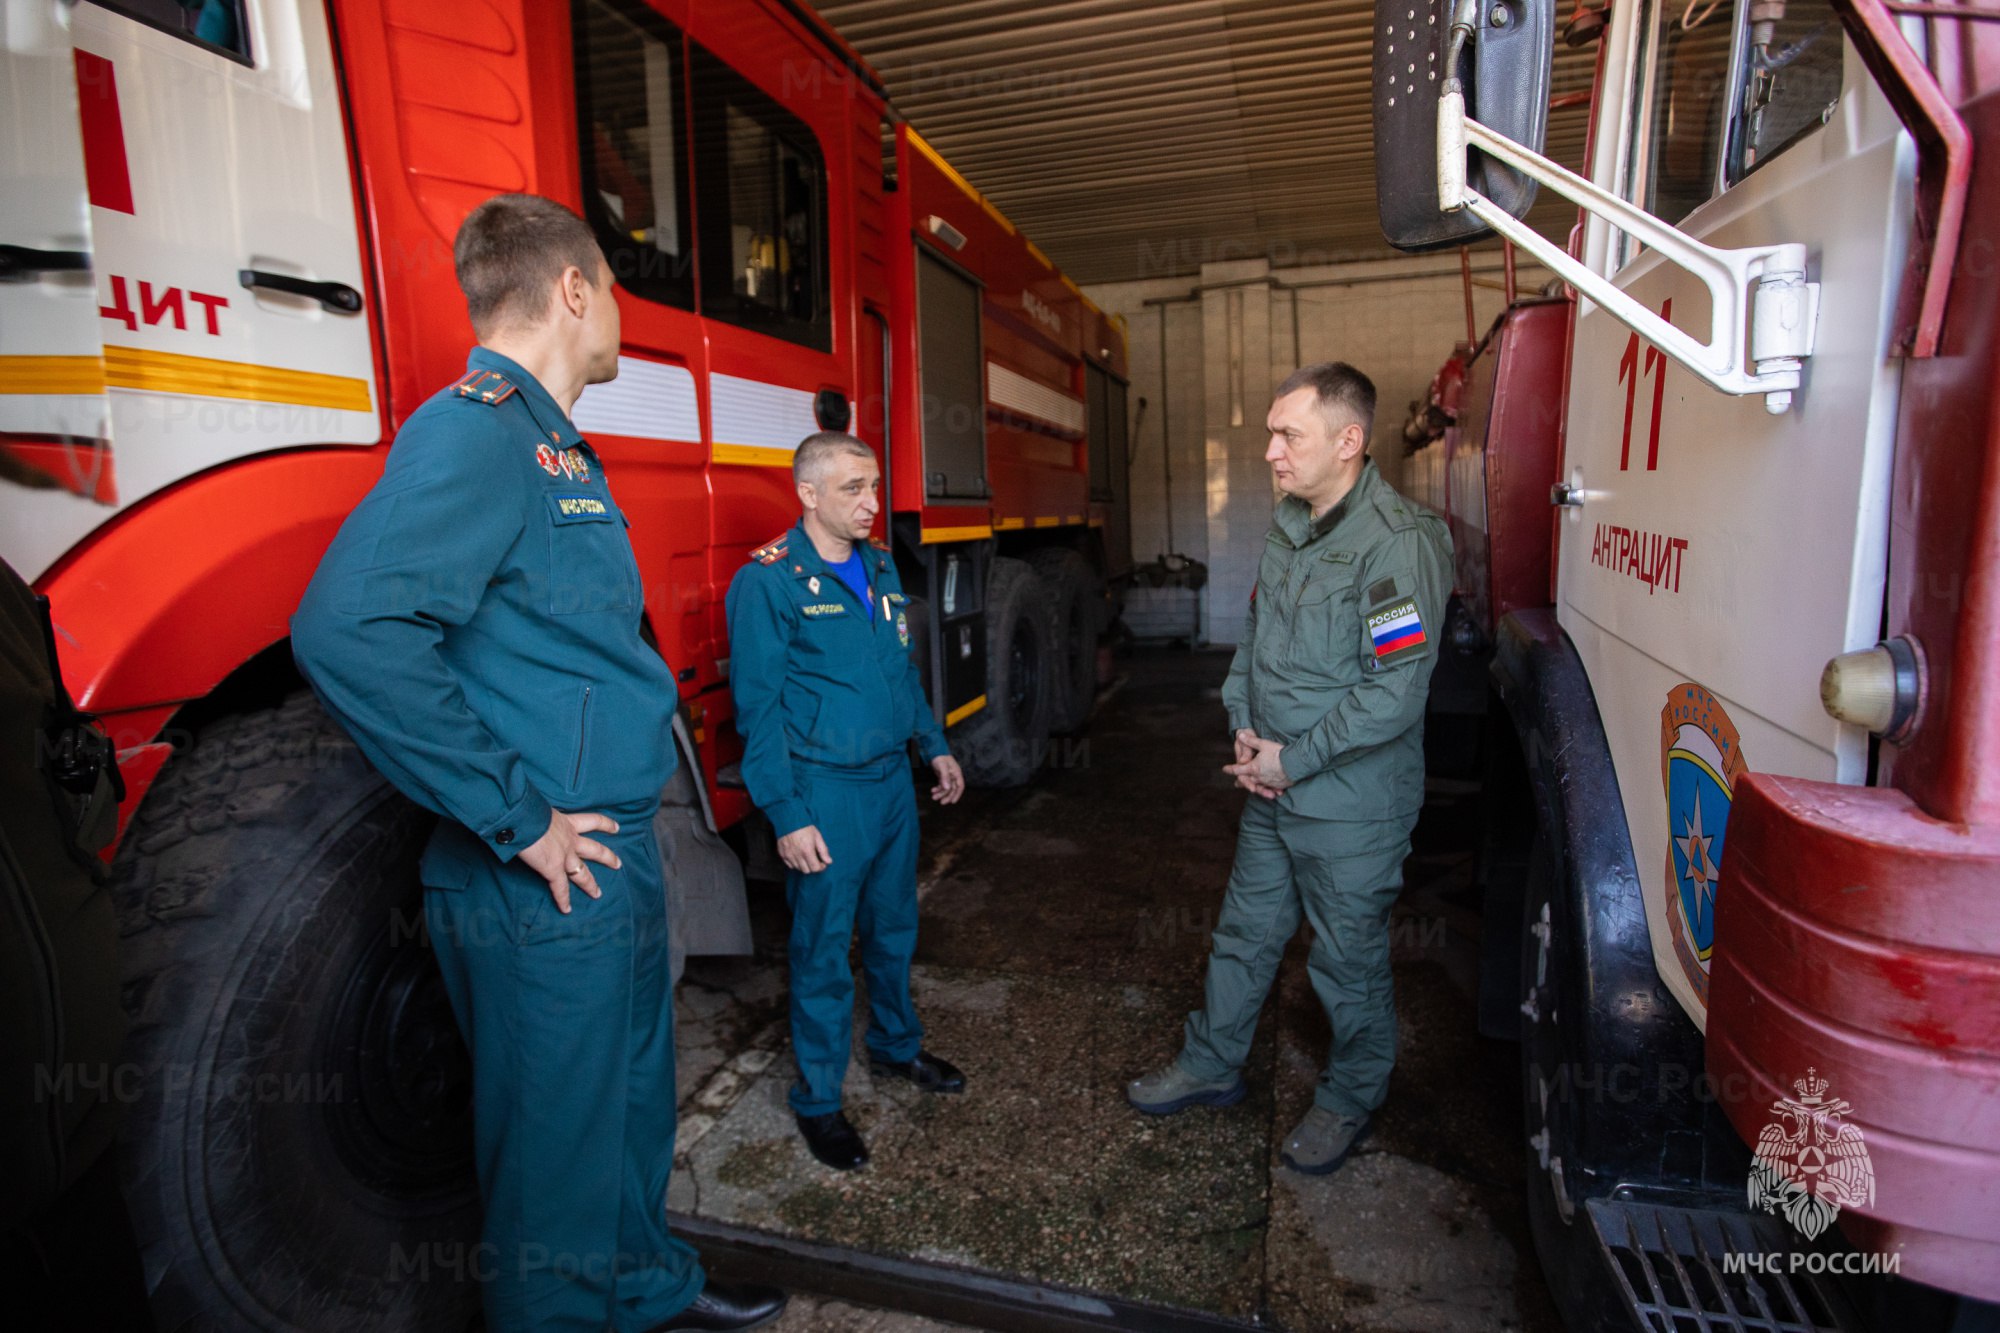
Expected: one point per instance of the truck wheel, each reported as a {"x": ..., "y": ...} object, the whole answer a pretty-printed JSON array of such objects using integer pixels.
[
  {"x": 1000, "y": 745},
  {"x": 299, "y": 1151},
  {"x": 1551, "y": 1069},
  {"x": 1076, "y": 611}
]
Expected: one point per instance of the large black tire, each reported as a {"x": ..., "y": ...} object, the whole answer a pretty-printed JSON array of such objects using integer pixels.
[
  {"x": 1001, "y": 744},
  {"x": 1076, "y": 618},
  {"x": 299, "y": 1150},
  {"x": 1553, "y": 991}
]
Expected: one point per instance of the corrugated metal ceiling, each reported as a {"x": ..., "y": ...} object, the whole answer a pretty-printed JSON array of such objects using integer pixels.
[{"x": 1143, "y": 138}]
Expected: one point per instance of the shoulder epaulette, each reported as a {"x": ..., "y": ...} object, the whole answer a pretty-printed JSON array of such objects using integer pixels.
[
  {"x": 485, "y": 386},
  {"x": 771, "y": 552},
  {"x": 878, "y": 543},
  {"x": 1396, "y": 511}
]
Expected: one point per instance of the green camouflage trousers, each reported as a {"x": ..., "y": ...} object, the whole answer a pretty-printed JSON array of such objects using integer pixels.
[{"x": 1345, "y": 877}]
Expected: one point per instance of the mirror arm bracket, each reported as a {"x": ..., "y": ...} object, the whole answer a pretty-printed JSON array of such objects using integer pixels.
[{"x": 1757, "y": 339}]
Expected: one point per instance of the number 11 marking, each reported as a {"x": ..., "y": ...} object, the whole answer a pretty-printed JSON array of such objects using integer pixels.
[{"x": 1629, "y": 374}]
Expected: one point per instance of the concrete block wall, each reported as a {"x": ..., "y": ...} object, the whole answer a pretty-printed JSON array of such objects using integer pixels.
[{"x": 1228, "y": 340}]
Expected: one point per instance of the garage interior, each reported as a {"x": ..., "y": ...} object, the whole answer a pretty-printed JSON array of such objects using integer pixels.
[
  {"x": 1205, "y": 172},
  {"x": 1064, "y": 932},
  {"x": 1039, "y": 264}
]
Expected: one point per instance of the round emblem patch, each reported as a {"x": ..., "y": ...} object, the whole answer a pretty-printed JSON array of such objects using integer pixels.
[{"x": 1701, "y": 759}]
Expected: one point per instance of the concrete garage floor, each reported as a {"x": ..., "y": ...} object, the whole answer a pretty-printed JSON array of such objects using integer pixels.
[{"x": 1065, "y": 928}]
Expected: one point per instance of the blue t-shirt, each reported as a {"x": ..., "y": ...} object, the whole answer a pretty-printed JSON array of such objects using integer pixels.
[{"x": 855, "y": 575}]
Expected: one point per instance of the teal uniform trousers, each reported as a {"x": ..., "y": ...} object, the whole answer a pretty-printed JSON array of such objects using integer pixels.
[
  {"x": 868, "y": 817},
  {"x": 571, "y": 1024}
]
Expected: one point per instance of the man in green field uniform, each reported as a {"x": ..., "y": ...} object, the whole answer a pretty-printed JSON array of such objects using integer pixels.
[
  {"x": 1326, "y": 707},
  {"x": 828, "y": 700},
  {"x": 475, "y": 626}
]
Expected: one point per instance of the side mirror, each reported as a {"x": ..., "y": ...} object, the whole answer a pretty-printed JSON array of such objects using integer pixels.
[{"x": 1505, "y": 70}]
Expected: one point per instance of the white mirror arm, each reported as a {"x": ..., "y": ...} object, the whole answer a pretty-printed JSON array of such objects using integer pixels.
[{"x": 1756, "y": 340}]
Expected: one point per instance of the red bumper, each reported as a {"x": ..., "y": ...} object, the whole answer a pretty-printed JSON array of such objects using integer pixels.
[{"x": 1861, "y": 938}]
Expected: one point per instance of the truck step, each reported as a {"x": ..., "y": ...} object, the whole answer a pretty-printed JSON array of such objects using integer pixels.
[{"x": 1672, "y": 1267}]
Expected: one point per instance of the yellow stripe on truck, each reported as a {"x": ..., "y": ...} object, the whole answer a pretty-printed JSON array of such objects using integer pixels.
[
  {"x": 208, "y": 377},
  {"x": 974, "y": 532},
  {"x": 750, "y": 455},
  {"x": 51, "y": 374}
]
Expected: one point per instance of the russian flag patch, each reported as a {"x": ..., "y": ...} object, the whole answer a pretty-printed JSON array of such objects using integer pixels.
[{"x": 1396, "y": 630}]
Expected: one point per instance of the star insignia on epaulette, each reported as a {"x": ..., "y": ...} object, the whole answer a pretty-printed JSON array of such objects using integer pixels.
[
  {"x": 770, "y": 553},
  {"x": 485, "y": 386}
]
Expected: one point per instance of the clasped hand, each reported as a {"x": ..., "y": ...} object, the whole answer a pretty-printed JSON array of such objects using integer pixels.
[{"x": 1257, "y": 767}]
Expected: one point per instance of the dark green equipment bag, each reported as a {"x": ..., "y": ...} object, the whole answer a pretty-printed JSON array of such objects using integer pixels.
[{"x": 61, "y": 1025}]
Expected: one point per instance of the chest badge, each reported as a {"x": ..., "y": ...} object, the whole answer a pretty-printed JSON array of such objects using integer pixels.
[
  {"x": 569, "y": 463},
  {"x": 812, "y": 585},
  {"x": 903, "y": 628}
]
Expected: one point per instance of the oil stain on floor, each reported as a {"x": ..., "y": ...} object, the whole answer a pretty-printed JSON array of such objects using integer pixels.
[{"x": 1064, "y": 932}]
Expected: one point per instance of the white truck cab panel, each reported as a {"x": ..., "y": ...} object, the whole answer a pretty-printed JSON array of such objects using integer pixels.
[{"x": 1723, "y": 553}]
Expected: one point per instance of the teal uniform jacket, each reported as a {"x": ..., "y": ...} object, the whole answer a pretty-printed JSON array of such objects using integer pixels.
[
  {"x": 819, "y": 677},
  {"x": 475, "y": 625}
]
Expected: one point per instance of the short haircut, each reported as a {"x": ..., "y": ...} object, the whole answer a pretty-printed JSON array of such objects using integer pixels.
[
  {"x": 1345, "y": 396},
  {"x": 510, "y": 250},
  {"x": 815, "y": 451}
]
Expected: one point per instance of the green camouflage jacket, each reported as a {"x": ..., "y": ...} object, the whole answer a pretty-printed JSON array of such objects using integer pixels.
[{"x": 1337, "y": 650}]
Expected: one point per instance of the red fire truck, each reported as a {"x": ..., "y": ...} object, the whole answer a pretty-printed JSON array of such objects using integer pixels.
[
  {"x": 227, "y": 245},
  {"x": 1727, "y": 514}
]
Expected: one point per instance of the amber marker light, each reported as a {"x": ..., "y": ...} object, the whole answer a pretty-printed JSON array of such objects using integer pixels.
[{"x": 1880, "y": 688}]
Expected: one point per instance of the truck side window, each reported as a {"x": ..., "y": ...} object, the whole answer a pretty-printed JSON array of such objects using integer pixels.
[
  {"x": 215, "y": 24},
  {"x": 1792, "y": 69},
  {"x": 1688, "y": 126},
  {"x": 762, "y": 184},
  {"x": 631, "y": 129}
]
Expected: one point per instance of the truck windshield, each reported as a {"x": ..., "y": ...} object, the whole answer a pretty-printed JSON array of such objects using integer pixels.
[
  {"x": 1792, "y": 79},
  {"x": 1689, "y": 121},
  {"x": 1721, "y": 91}
]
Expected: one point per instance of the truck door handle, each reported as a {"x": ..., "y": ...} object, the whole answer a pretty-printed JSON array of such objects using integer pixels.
[
  {"x": 1564, "y": 495},
  {"x": 338, "y": 297},
  {"x": 19, "y": 262}
]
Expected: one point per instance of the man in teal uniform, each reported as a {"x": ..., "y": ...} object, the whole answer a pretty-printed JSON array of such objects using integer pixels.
[
  {"x": 828, "y": 699},
  {"x": 475, "y": 626},
  {"x": 1326, "y": 707}
]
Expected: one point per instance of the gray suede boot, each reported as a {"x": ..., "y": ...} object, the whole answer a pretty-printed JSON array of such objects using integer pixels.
[{"x": 1171, "y": 1089}]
